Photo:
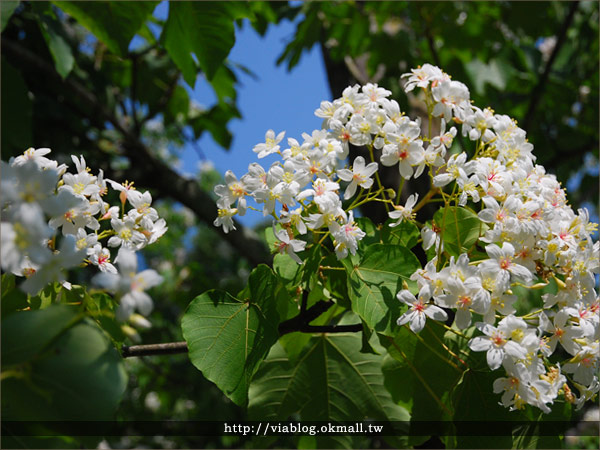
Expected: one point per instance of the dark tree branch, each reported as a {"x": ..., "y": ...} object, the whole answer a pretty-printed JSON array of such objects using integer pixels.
[
  {"x": 134, "y": 69},
  {"x": 536, "y": 94},
  {"x": 295, "y": 323},
  {"x": 147, "y": 169},
  {"x": 301, "y": 321},
  {"x": 169, "y": 348},
  {"x": 304, "y": 302},
  {"x": 331, "y": 328}
]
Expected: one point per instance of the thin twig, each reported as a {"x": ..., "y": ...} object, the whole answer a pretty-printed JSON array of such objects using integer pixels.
[{"x": 168, "y": 348}]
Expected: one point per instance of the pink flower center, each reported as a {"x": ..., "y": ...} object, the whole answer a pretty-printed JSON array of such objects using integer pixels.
[
  {"x": 559, "y": 332},
  {"x": 419, "y": 306},
  {"x": 464, "y": 301},
  {"x": 498, "y": 340},
  {"x": 587, "y": 362}
]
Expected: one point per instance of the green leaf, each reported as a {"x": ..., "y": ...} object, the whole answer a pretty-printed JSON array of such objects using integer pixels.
[
  {"x": 331, "y": 381},
  {"x": 28, "y": 333},
  {"x": 371, "y": 231},
  {"x": 336, "y": 281},
  {"x": 224, "y": 83},
  {"x": 112, "y": 22},
  {"x": 57, "y": 44},
  {"x": 80, "y": 377},
  {"x": 461, "y": 228},
  {"x": 215, "y": 120},
  {"x": 406, "y": 234},
  {"x": 530, "y": 435},
  {"x": 287, "y": 269},
  {"x": 422, "y": 373},
  {"x": 474, "y": 400},
  {"x": 7, "y": 8},
  {"x": 203, "y": 29},
  {"x": 228, "y": 338},
  {"x": 490, "y": 73},
  {"x": 374, "y": 283},
  {"x": 13, "y": 299},
  {"x": 178, "y": 106}
]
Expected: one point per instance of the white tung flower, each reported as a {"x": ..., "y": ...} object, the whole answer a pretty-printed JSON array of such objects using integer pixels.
[
  {"x": 271, "y": 144},
  {"x": 286, "y": 244},
  {"x": 360, "y": 175},
  {"x": 404, "y": 212},
  {"x": 420, "y": 309},
  {"x": 496, "y": 344},
  {"x": 129, "y": 285}
]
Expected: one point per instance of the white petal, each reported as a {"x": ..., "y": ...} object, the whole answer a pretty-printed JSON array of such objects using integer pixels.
[
  {"x": 418, "y": 322},
  {"x": 462, "y": 318},
  {"x": 350, "y": 190},
  {"x": 345, "y": 174},
  {"x": 406, "y": 297},
  {"x": 495, "y": 357},
  {"x": 436, "y": 313},
  {"x": 480, "y": 344}
]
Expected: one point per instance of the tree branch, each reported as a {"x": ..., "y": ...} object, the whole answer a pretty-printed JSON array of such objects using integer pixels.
[
  {"x": 298, "y": 323},
  {"x": 169, "y": 348},
  {"x": 146, "y": 168},
  {"x": 536, "y": 94},
  {"x": 134, "y": 75},
  {"x": 303, "y": 319}
]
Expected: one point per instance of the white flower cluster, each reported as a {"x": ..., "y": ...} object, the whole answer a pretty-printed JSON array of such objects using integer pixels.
[
  {"x": 39, "y": 197},
  {"x": 309, "y": 171},
  {"x": 532, "y": 237}
]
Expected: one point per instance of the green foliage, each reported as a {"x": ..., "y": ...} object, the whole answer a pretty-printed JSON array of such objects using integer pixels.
[
  {"x": 228, "y": 338},
  {"x": 58, "y": 363},
  {"x": 203, "y": 29},
  {"x": 406, "y": 234},
  {"x": 56, "y": 366},
  {"x": 55, "y": 38},
  {"x": 375, "y": 281},
  {"x": 331, "y": 381},
  {"x": 7, "y": 8},
  {"x": 420, "y": 374},
  {"x": 12, "y": 299},
  {"x": 114, "y": 23},
  {"x": 461, "y": 229}
]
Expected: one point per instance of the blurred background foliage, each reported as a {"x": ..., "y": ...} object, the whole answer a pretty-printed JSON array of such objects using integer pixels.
[{"x": 107, "y": 80}]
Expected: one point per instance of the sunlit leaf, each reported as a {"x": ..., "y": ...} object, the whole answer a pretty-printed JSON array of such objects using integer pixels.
[
  {"x": 331, "y": 381},
  {"x": 375, "y": 281},
  {"x": 228, "y": 338},
  {"x": 114, "y": 23}
]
